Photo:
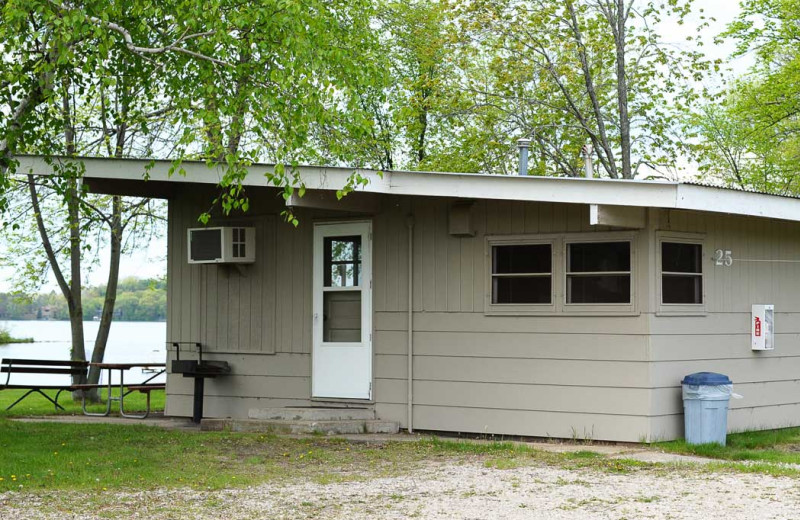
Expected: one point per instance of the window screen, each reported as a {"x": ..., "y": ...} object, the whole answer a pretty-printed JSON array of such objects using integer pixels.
[
  {"x": 681, "y": 273},
  {"x": 522, "y": 274},
  {"x": 599, "y": 272}
]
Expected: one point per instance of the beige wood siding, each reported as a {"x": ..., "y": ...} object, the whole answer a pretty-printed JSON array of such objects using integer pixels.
[
  {"x": 766, "y": 269},
  {"x": 254, "y": 316},
  {"x": 544, "y": 376},
  {"x": 224, "y": 307},
  {"x": 559, "y": 376},
  {"x": 600, "y": 376}
]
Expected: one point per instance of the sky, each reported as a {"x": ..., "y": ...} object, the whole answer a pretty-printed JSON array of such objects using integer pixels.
[
  {"x": 150, "y": 261},
  {"x": 724, "y": 12}
]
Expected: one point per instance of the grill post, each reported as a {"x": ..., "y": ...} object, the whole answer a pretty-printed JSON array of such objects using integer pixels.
[{"x": 199, "y": 383}]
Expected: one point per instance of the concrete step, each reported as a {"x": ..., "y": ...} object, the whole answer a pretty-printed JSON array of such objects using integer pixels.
[
  {"x": 343, "y": 427},
  {"x": 311, "y": 414}
]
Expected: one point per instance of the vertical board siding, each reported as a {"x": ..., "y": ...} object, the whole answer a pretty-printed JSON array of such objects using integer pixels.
[{"x": 226, "y": 308}]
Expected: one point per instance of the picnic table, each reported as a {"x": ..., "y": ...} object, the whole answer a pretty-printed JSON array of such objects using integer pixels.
[{"x": 144, "y": 387}]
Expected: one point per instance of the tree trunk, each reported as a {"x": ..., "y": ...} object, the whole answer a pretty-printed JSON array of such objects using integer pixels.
[
  {"x": 601, "y": 143},
  {"x": 25, "y": 106},
  {"x": 622, "y": 91},
  {"x": 77, "y": 351},
  {"x": 422, "y": 119},
  {"x": 115, "y": 244},
  {"x": 73, "y": 192},
  {"x": 423, "y": 122},
  {"x": 111, "y": 291}
]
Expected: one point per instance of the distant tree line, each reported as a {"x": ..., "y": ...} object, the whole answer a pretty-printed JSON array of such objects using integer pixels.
[{"x": 137, "y": 300}]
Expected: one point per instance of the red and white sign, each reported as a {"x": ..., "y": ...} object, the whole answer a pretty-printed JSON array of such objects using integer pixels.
[{"x": 763, "y": 327}]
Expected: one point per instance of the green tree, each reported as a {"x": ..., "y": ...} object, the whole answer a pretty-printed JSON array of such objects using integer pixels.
[
  {"x": 239, "y": 82},
  {"x": 750, "y": 137},
  {"x": 565, "y": 73}
]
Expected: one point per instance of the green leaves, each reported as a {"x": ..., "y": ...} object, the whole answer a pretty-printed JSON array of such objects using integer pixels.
[
  {"x": 239, "y": 82},
  {"x": 750, "y": 135}
]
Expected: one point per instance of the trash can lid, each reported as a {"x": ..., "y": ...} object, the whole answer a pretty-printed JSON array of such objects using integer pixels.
[{"x": 706, "y": 379}]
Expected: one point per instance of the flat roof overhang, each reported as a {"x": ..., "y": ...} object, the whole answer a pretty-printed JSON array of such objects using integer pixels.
[{"x": 127, "y": 177}]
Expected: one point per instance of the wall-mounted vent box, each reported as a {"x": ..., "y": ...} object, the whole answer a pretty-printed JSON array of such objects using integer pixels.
[
  {"x": 222, "y": 245},
  {"x": 762, "y": 327}
]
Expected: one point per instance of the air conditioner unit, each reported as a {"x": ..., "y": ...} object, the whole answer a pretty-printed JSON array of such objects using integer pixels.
[{"x": 222, "y": 245}]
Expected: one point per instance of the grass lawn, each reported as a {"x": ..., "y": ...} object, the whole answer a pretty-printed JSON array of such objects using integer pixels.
[
  {"x": 35, "y": 404},
  {"x": 106, "y": 457},
  {"x": 761, "y": 450}
]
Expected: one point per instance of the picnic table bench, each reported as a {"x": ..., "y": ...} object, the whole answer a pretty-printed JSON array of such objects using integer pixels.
[
  {"x": 40, "y": 366},
  {"x": 77, "y": 368}
]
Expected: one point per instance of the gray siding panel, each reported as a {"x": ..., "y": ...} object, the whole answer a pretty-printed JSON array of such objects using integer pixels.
[
  {"x": 539, "y": 397},
  {"x": 457, "y": 322},
  {"x": 215, "y": 406},
  {"x": 765, "y": 270},
  {"x": 605, "y": 377},
  {"x": 516, "y": 345},
  {"x": 628, "y": 428},
  {"x": 570, "y": 372}
]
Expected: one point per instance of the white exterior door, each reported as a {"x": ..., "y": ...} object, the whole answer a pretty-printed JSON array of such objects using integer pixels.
[{"x": 342, "y": 317}]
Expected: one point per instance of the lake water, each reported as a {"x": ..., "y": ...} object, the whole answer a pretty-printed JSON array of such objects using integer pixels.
[{"x": 128, "y": 342}]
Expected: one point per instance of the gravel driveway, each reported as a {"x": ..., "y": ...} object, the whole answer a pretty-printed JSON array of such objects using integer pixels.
[{"x": 461, "y": 489}]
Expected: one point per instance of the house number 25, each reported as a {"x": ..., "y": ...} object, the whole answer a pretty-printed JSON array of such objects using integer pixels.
[{"x": 723, "y": 258}]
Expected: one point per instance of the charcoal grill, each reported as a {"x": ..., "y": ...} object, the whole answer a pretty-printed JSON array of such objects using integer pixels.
[{"x": 198, "y": 369}]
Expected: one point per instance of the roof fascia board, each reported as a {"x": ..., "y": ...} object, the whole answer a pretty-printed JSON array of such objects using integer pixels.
[
  {"x": 720, "y": 200},
  {"x": 648, "y": 194}
]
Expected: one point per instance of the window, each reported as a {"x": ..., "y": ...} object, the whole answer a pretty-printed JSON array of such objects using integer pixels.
[
  {"x": 522, "y": 274},
  {"x": 341, "y": 297},
  {"x": 342, "y": 261},
  {"x": 681, "y": 273},
  {"x": 598, "y": 272}
]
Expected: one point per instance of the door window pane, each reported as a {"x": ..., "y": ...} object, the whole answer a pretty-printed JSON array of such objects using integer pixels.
[
  {"x": 342, "y": 261},
  {"x": 341, "y": 316}
]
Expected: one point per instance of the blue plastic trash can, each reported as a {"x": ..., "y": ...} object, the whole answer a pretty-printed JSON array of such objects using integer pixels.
[{"x": 705, "y": 406}]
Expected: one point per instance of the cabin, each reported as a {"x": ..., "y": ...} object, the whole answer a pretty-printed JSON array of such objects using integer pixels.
[{"x": 482, "y": 304}]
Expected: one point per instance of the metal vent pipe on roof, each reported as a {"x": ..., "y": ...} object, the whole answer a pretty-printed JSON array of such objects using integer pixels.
[
  {"x": 523, "y": 145},
  {"x": 588, "y": 171}
]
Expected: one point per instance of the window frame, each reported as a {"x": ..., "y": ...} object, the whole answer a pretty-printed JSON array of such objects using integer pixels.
[
  {"x": 518, "y": 309},
  {"x": 558, "y": 243},
  {"x": 680, "y": 309},
  {"x": 600, "y": 308}
]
